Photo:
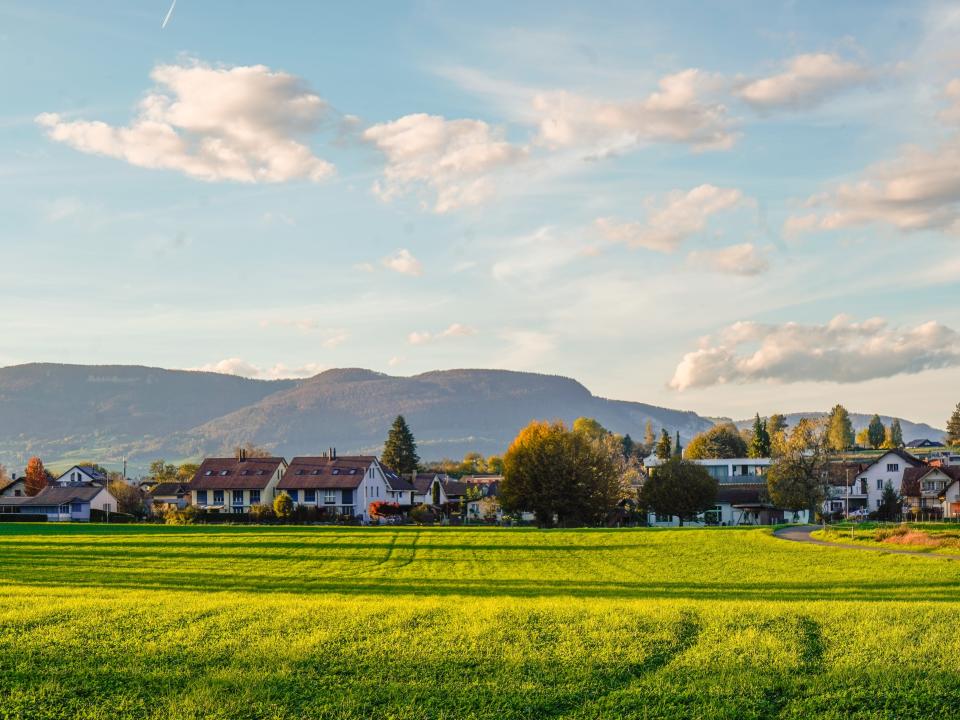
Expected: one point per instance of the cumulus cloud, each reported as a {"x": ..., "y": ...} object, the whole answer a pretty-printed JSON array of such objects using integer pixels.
[
  {"x": 841, "y": 351},
  {"x": 673, "y": 219},
  {"x": 242, "y": 123},
  {"x": 675, "y": 113},
  {"x": 806, "y": 81},
  {"x": 741, "y": 259},
  {"x": 238, "y": 366},
  {"x": 403, "y": 262},
  {"x": 454, "y": 330},
  {"x": 456, "y": 159}
]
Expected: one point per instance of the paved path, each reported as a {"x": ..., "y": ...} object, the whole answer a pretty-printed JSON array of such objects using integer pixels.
[{"x": 801, "y": 533}]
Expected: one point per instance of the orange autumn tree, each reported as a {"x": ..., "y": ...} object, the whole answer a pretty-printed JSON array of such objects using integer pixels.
[{"x": 35, "y": 477}]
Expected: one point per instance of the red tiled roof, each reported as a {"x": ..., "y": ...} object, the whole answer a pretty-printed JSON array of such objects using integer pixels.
[
  {"x": 322, "y": 473},
  {"x": 913, "y": 476},
  {"x": 234, "y": 474}
]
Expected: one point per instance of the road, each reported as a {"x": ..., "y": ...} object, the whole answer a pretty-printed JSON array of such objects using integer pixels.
[{"x": 801, "y": 533}]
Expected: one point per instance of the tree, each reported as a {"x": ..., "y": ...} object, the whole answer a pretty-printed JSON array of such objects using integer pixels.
[
  {"x": 891, "y": 504},
  {"x": 876, "y": 432},
  {"x": 863, "y": 437},
  {"x": 590, "y": 427},
  {"x": 679, "y": 487},
  {"x": 663, "y": 448},
  {"x": 627, "y": 446},
  {"x": 186, "y": 472},
  {"x": 797, "y": 477},
  {"x": 495, "y": 465},
  {"x": 4, "y": 476},
  {"x": 400, "y": 450},
  {"x": 561, "y": 476},
  {"x": 650, "y": 438},
  {"x": 896, "y": 434},
  {"x": 283, "y": 506},
  {"x": 162, "y": 471},
  {"x": 840, "y": 435},
  {"x": 776, "y": 423},
  {"x": 35, "y": 478},
  {"x": 720, "y": 441},
  {"x": 953, "y": 427},
  {"x": 129, "y": 498},
  {"x": 760, "y": 439},
  {"x": 677, "y": 447}
]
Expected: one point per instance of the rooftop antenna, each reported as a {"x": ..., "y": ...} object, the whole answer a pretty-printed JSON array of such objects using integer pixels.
[{"x": 163, "y": 25}]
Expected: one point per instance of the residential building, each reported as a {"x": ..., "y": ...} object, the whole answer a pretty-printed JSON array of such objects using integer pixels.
[
  {"x": 67, "y": 502},
  {"x": 925, "y": 443},
  {"x": 742, "y": 497},
  {"x": 15, "y": 487},
  {"x": 343, "y": 485},
  {"x": 428, "y": 489},
  {"x": 164, "y": 494},
  {"x": 233, "y": 485},
  {"x": 867, "y": 487},
  {"x": 930, "y": 491},
  {"x": 81, "y": 474}
]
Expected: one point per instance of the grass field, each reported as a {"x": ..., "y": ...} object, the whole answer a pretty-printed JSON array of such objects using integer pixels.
[
  {"x": 280, "y": 622},
  {"x": 931, "y": 538}
]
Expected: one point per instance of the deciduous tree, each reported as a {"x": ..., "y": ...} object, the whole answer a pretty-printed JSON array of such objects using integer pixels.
[
  {"x": 776, "y": 423},
  {"x": 720, "y": 441},
  {"x": 797, "y": 476},
  {"x": 679, "y": 487},
  {"x": 283, "y": 506},
  {"x": 400, "y": 449},
  {"x": 650, "y": 438},
  {"x": 896, "y": 434},
  {"x": 35, "y": 478},
  {"x": 129, "y": 498},
  {"x": 840, "y": 435},
  {"x": 953, "y": 427},
  {"x": 876, "y": 432}
]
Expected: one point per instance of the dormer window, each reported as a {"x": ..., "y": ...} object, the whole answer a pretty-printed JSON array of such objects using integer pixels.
[{"x": 224, "y": 473}]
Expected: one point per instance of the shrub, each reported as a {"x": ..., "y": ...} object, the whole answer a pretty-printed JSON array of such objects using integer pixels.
[
  {"x": 172, "y": 515},
  {"x": 261, "y": 513},
  {"x": 383, "y": 509},
  {"x": 889, "y": 532},
  {"x": 422, "y": 515}
]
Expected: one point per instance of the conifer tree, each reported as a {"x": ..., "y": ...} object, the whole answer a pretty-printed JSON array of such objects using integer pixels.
[
  {"x": 400, "y": 449},
  {"x": 953, "y": 427},
  {"x": 677, "y": 447},
  {"x": 776, "y": 423},
  {"x": 760, "y": 442},
  {"x": 664, "y": 445},
  {"x": 896, "y": 434}
]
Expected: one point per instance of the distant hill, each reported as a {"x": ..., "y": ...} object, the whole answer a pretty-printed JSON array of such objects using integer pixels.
[
  {"x": 911, "y": 430},
  {"x": 66, "y": 413}
]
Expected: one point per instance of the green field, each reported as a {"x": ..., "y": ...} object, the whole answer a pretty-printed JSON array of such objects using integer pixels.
[{"x": 283, "y": 622}]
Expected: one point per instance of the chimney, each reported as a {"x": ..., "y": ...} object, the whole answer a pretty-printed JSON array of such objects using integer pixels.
[
  {"x": 243, "y": 454},
  {"x": 334, "y": 451}
]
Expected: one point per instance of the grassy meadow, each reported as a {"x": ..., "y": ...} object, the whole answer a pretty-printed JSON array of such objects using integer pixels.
[
  {"x": 286, "y": 622},
  {"x": 932, "y": 538}
]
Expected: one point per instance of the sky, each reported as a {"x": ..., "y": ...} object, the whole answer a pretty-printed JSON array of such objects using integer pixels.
[{"x": 729, "y": 207}]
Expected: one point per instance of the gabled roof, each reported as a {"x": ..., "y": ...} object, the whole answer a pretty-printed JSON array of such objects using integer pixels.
[
  {"x": 912, "y": 477},
  {"x": 900, "y": 453},
  {"x": 395, "y": 480},
  {"x": 326, "y": 473},
  {"x": 235, "y": 474},
  {"x": 56, "y": 495},
  {"x": 423, "y": 481},
  {"x": 169, "y": 489},
  {"x": 454, "y": 488},
  {"x": 924, "y": 442},
  {"x": 6, "y": 484},
  {"x": 88, "y": 470}
]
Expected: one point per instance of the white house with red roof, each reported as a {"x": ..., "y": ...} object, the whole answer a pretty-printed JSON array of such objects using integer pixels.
[{"x": 234, "y": 485}]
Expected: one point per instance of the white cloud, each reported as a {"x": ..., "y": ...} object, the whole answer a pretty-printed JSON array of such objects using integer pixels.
[
  {"x": 336, "y": 339},
  {"x": 841, "y": 351},
  {"x": 213, "y": 123},
  {"x": 526, "y": 349},
  {"x": 454, "y": 330},
  {"x": 395, "y": 360},
  {"x": 951, "y": 114},
  {"x": 238, "y": 366},
  {"x": 806, "y": 81},
  {"x": 670, "y": 222},
  {"x": 403, "y": 262},
  {"x": 456, "y": 159},
  {"x": 741, "y": 259},
  {"x": 534, "y": 256},
  {"x": 675, "y": 113}
]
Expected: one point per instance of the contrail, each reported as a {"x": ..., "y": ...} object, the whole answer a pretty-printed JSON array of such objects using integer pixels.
[{"x": 169, "y": 13}]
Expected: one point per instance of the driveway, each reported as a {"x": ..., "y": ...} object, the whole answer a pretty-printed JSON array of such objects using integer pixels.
[{"x": 801, "y": 533}]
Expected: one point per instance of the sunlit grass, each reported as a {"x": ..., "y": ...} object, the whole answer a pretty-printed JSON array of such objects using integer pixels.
[{"x": 280, "y": 622}]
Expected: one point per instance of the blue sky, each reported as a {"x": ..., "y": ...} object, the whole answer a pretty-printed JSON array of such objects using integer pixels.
[{"x": 733, "y": 208}]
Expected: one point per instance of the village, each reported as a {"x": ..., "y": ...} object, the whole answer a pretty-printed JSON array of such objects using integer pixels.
[{"x": 919, "y": 480}]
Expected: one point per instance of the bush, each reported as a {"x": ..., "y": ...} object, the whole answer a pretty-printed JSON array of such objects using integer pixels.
[
  {"x": 172, "y": 515},
  {"x": 22, "y": 517},
  {"x": 383, "y": 509},
  {"x": 262, "y": 513},
  {"x": 422, "y": 515},
  {"x": 889, "y": 532},
  {"x": 110, "y": 517}
]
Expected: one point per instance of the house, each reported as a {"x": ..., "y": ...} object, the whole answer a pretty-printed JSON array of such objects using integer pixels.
[
  {"x": 343, "y": 485},
  {"x": 866, "y": 487},
  {"x": 175, "y": 494},
  {"x": 742, "y": 497},
  {"x": 930, "y": 491},
  {"x": 80, "y": 474},
  {"x": 924, "y": 443},
  {"x": 488, "y": 487},
  {"x": 15, "y": 487},
  {"x": 69, "y": 502},
  {"x": 428, "y": 489},
  {"x": 235, "y": 484}
]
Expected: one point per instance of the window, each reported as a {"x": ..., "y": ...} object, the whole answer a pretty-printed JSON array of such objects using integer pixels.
[
  {"x": 218, "y": 497},
  {"x": 201, "y": 497},
  {"x": 238, "y": 497},
  {"x": 224, "y": 473},
  {"x": 310, "y": 496},
  {"x": 76, "y": 507},
  {"x": 347, "y": 498},
  {"x": 879, "y": 484},
  {"x": 878, "y": 502},
  {"x": 208, "y": 473},
  {"x": 254, "y": 497},
  {"x": 294, "y": 495},
  {"x": 18, "y": 493},
  {"x": 863, "y": 487},
  {"x": 893, "y": 467},
  {"x": 329, "y": 497}
]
